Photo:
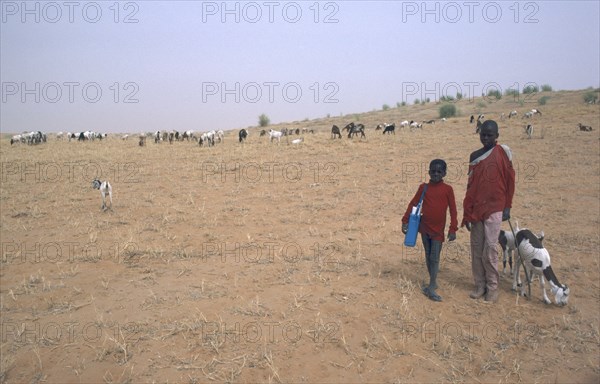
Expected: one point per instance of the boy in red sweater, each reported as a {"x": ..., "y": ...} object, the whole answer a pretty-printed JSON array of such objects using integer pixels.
[
  {"x": 438, "y": 198},
  {"x": 490, "y": 190}
]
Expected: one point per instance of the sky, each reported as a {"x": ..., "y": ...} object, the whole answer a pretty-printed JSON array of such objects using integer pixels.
[{"x": 142, "y": 66}]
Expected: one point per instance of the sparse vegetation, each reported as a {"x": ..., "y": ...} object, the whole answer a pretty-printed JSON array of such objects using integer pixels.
[
  {"x": 447, "y": 110},
  {"x": 531, "y": 89},
  {"x": 590, "y": 96},
  {"x": 385, "y": 107},
  {"x": 495, "y": 93},
  {"x": 263, "y": 120},
  {"x": 542, "y": 100},
  {"x": 546, "y": 88}
]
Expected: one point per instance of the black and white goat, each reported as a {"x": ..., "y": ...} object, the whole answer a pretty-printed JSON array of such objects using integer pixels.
[
  {"x": 585, "y": 128},
  {"x": 529, "y": 130},
  {"x": 242, "y": 135},
  {"x": 105, "y": 190},
  {"x": 389, "y": 129},
  {"x": 507, "y": 242},
  {"x": 536, "y": 259}
]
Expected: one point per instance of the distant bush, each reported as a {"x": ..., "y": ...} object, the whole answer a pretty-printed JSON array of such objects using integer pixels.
[
  {"x": 447, "y": 110},
  {"x": 417, "y": 101},
  {"x": 546, "y": 88},
  {"x": 542, "y": 100},
  {"x": 482, "y": 104},
  {"x": 427, "y": 100},
  {"x": 263, "y": 120},
  {"x": 459, "y": 96},
  {"x": 447, "y": 98},
  {"x": 495, "y": 93},
  {"x": 385, "y": 107},
  {"x": 531, "y": 89},
  {"x": 590, "y": 97}
]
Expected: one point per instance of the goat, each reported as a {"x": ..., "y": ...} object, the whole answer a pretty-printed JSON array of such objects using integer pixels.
[
  {"x": 415, "y": 125},
  {"x": 220, "y": 135},
  {"x": 263, "y": 133},
  {"x": 512, "y": 114},
  {"x": 527, "y": 115},
  {"x": 404, "y": 124},
  {"x": 355, "y": 129},
  {"x": 275, "y": 135},
  {"x": 105, "y": 190},
  {"x": 536, "y": 112},
  {"x": 429, "y": 121},
  {"x": 389, "y": 129},
  {"x": 585, "y": 128},
  {"x": 506, "y": 239},
  {"x": 242, "y": 135},
  {"x": 379, "y": 127},
  {"x": 335, "y": 131},
  {"x": 208, "y": 137},
  {"x": 298, "y": 141},
  {"x": 536, "y": 259},
  {"x": 529, "y": 130}
]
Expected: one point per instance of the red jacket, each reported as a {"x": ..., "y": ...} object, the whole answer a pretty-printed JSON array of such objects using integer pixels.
[
  {"x": 491, "y": 184},
  {"x": 438, "y": 198}
]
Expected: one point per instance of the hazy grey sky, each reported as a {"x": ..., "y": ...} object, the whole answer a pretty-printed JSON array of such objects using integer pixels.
[{"x": 149, "y": 65}]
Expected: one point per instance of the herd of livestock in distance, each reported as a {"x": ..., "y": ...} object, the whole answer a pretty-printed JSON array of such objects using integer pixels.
[{"x": 210, "y": 138}]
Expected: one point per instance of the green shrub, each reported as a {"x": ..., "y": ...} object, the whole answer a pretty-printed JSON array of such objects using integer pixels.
[
  {"x": 531, "y": 89},
  {"x": 459, "y": 96},
  {"x": 417, "y": 101},
  {"x": 447, "y": 110},
  {"x": 495, "y": 93},
  {"x": 263, "y": 120},
  {"x": 590, "y": 97},
  {"x": 385, "y": 107},
  {"x": 542, "y": 100},
  {"x": 546, "y": 88}
]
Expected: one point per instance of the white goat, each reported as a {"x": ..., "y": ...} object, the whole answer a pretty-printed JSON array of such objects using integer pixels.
[
  {"x": 275, "y": 135},
  {"x": 105, "y": 190}
]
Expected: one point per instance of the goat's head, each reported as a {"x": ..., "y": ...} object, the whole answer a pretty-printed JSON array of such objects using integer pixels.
[
  {"x": 561, "y": 293},
  {"x": 96, "y": 184}
]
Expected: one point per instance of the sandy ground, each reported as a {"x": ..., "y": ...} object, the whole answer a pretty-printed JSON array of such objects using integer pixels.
[{"x": 279, "y": 263}]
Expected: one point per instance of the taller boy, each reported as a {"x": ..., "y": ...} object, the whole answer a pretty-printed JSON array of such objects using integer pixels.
[{"x": 490, "y": 190}]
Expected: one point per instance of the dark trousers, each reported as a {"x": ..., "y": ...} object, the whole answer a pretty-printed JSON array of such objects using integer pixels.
[{"x": 433, "y": 249}]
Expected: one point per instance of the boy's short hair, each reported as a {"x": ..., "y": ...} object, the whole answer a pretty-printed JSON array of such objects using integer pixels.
[
  {"x": 489, "y": 124},
  {"x": 440, "y": 162}
]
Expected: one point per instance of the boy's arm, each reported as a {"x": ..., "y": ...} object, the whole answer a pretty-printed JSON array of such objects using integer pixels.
[
  {"x": 413, "y": 202},
  {"x": 453, "y": 213},
  {"x": 510, "y": 184}
]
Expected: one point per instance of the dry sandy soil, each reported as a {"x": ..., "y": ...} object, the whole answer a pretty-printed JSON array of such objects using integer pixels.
[{"x": 279, "y": 263}]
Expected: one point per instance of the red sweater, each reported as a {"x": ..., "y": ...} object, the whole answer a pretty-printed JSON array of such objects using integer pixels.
[
  {"x": 438, "y": 198},
  {"x": 491, "y": 184}
]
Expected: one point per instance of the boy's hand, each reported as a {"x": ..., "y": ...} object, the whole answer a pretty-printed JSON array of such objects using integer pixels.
[
  {"x": 451, "y": 236},
  {"x": 404, "y": 228},
  {"x": 506, "y": 214}
]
